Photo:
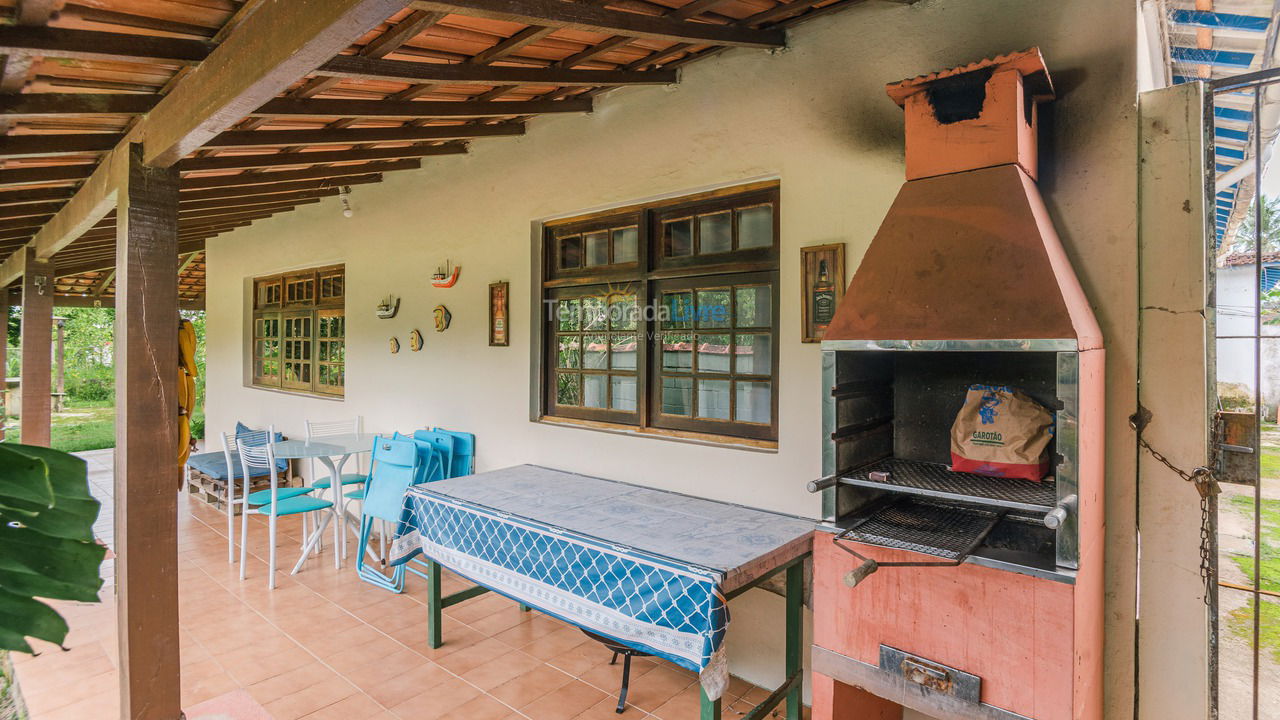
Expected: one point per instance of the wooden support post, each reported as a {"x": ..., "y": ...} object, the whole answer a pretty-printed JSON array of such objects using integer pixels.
[
  {"x": 37, "y": 332},
  {"x": 60, "y": 357},
  {"x": 146, "y": 466}
]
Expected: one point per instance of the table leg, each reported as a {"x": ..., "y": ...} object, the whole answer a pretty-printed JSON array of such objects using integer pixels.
[
  {"x": 434, "y": 637},
  {"x": 710, "y": 708},
  {"x": 335, "y": 486},
  {"x": 795, "y": 636}
]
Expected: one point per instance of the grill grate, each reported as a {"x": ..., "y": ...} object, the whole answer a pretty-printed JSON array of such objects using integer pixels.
[
  {"x": 931, "y": 528},
  {"x": 933, "y": 480}
]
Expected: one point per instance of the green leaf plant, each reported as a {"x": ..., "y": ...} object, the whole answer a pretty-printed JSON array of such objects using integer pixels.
[{"x": 47, "y": 550}]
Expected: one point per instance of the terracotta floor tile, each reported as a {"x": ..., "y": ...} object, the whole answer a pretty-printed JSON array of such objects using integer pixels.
[
  {"x": 564, "y": 702},
  {"x": 468, "y": 658},
  {"x": 439, "y": 701},
  {"x": 356, "y": 707},
  {"x": 310, "y": 699},
  {"x": 482, "y": 707},
  {"x": 656, "y": 687},
  {"x": 291, "y": 682},
  {"x": 397, "y": 686},
  {"x": 509, "y": 665},
  {"x": 524, "y": 689}
]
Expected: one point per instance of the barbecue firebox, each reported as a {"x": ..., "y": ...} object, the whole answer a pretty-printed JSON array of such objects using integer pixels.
[{"x": 959, "y": 595}]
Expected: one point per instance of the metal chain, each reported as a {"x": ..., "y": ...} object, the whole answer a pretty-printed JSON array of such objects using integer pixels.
[{"x": 1207, "y": 486}]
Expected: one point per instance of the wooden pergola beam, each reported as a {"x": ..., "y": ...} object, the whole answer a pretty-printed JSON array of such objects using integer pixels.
[
  {"x": 580, "y": 16},
  {"x": 34, "y": 195},
  {"x": 294, "y": 159},
  {"x": 409, "y": 110},
  {"x": 398, "y": 34},
  {"x": 95, "y": 45},
  {"x": 36, "y": 105},
  {"x": 47, "y": 174},
  {"x": 250, "y": 202},
  {"x": 267, "y": 179},
  {"x": 356, "y": 136},
  {"x": 349, "y": 66},
  {"x": 75, "y": 301},
  {"x": 273, "y": 189},
  {"x": 275, "y": 45},
  {"x": 54, "y": 145}
]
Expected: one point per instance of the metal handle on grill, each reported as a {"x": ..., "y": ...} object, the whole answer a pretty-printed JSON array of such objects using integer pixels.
[
  {"x": 860, "y": 573},
  {"x": 1067, "y": 505},
  {"x": 821, "y": 483}
]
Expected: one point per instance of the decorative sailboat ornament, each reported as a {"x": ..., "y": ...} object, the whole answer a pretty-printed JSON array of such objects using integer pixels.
[
  {"x": 446, "y": 276},
  {"x": 389, "y": 306}
]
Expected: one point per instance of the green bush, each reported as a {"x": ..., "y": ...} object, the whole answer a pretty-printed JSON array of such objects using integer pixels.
[
  {"x": 91, "y": 383},
  {"x": 197, "y": 425}
]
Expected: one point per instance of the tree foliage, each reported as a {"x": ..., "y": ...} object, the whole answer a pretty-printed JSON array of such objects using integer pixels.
[{"x": 1270, "y": 227}]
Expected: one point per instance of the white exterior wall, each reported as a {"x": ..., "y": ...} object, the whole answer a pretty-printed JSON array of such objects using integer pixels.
[{"x": 815, "y": 116}]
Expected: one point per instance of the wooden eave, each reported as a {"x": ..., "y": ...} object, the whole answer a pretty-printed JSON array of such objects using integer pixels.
[{"x": 427, "y": 81}]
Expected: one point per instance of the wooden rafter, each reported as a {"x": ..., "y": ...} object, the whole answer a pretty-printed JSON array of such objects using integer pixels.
[
  {"x": 288, "y": 107},
  {"x": 346, "y": 66},
  {"x": 357, "y": 136},
  {"x": 581, "y": 16}
]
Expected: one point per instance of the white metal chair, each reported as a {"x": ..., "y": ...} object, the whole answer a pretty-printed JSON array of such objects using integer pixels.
[
  {"x": 235, "y": 471},
  {"x": 273, "y": 504},
  {"x": 321, "y": 429}
]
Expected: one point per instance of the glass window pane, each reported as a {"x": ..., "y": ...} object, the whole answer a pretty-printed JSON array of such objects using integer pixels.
[
  {"x": 595, "y": 391},
  {"x": 677, "y": 351},
  {"x": 622, "y": 312},
  {"x": 568, "y": 387},
  {"x": 677, "y": 238},
  {"x": 624, "y": 392},
  {"x": 623, "y": 352},
  {"x": 715, "y": 233},
  {"x": 571, "y": 252},
  {"x": 713, "y": 354},
  {"x": 754, "y": 402},
  {"x": 677, "y": 395},
  {"x": 567, "y": 314},
  {"x": 755, "y": 227},
  {"x": 754, "y": 306},
  {"x": 595, "y": 314},
  {"x": 713, "y": 399},
  {"x": 624, "y": 245},
  {"x": 677, "y": 310},
  {"x": 595, "y": 352},
  {"x": 597, "y": 248},
  {"x": 713, "y": 308},
  {"x": 569, "y": 353},
  {"x": 754, "y": 354}
]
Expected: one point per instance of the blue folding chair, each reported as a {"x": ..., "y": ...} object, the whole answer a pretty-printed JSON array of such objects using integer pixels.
[
  {"x": 464, "y": 452},
  {"x": 395, "y": 465},
  {"x": 442, "y": 443}
]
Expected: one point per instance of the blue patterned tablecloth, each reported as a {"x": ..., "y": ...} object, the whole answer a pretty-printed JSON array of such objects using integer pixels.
[{"x": 642, "y": 566}]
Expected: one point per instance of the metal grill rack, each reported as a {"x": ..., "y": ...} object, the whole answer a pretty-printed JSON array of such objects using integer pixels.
[
  {"x": 933, "y": 480},
  {"x": 946, "y": 531}
]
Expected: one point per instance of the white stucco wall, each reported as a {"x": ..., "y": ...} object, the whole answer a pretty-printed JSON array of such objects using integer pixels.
[{"x": 815, "y": 116}]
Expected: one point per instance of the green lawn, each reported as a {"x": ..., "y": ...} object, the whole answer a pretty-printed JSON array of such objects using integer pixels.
[
  {"x": 1241, "y": 622},
  {"x": 90, "y": 427}
]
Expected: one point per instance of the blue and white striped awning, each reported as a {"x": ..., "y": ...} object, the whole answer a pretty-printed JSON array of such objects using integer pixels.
[{"x": 1234, "y": 37}]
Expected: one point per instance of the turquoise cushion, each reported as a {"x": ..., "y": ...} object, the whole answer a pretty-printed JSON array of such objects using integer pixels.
[
  {"x": 294, "y": 505},
  {"x": 357, "y": 494},
  {"x": 263, "y": 497},
  {"x": 347, "y": 479}
]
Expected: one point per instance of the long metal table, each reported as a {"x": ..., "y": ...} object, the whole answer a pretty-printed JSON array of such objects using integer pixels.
[{"x": 651, "y": 569}]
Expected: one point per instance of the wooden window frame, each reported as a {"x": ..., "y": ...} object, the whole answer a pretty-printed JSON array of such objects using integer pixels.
[
  {"x": 652, "y": 271},
  {"x": 271, "y": 299}
]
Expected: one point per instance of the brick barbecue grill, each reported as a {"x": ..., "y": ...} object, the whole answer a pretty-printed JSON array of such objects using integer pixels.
[{"x": 958, "y": 595}]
